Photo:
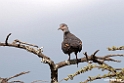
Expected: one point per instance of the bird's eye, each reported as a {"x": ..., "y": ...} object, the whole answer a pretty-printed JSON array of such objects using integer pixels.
[{"x": 62, "y": 25}]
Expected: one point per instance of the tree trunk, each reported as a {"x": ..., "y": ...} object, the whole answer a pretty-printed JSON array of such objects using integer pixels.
[{"x": 54, "y": 75}]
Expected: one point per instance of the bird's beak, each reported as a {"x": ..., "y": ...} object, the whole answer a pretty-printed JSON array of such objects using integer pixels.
[{"x": 59, "y": 28}]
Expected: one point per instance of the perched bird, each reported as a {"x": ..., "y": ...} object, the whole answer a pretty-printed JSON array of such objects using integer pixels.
[{"x": 70, "y": 42}]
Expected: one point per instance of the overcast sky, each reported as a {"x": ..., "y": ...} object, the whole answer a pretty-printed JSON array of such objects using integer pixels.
[{"x": 98, "y": 23}]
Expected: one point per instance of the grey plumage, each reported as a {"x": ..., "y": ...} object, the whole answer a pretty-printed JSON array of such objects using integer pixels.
[{"x": 70, "y": 42}]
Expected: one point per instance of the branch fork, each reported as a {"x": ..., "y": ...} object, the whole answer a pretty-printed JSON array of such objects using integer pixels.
[{"x": 55, "y": 66}]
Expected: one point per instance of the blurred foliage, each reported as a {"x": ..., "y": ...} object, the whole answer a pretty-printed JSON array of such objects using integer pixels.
[
  {"x": 113, "y": 73},
  {"x": 114, "y": 48}
]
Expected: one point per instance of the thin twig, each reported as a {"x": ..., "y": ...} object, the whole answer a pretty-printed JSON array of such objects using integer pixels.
[
  {"x": 18, "y": 75},
  {"x": 16, "y": 82},
  {"x": 25, "y": 43},
  {"x": 39, "y": 81},
  {"x": 96, "y": 52},
  {"x": 6, "y": 41},
  {"x": 86, "y": 55},
  {"x": 60, "y": 81}
]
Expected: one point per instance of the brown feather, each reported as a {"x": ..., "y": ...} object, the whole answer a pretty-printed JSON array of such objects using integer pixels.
[{"x": 70, "y": 42}]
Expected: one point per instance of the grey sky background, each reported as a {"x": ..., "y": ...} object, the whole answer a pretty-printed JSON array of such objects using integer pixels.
[{"x": 98, "y": 23}]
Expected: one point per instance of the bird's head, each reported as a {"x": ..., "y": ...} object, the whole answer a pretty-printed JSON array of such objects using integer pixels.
[{"x": 63, "y": 27}]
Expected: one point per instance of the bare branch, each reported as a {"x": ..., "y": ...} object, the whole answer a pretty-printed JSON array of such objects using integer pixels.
[
  {"x": 16, "y": 82},
  {"x": 54, "y": 67},
  {"x": 15, "y": 41},
  {"x": 92, "y": 57},
  {"x": 22, "y": 73},
  {"x": 36, "y": 51},
  {"x": 29, "y": 49},
  {"x": 41, "y": 81},
  {"x": 46, "y": 59},
  {"x": 113, "y": 55},
  {"x": 60, "y": 80},
  {"x": 95, "y": 52},
  {"x": 86, "y": 55},
  {"x": 3, "y": 80}
]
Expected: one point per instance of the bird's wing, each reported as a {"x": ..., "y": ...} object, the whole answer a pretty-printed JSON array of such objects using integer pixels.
[{"x": 72, "y": 41}]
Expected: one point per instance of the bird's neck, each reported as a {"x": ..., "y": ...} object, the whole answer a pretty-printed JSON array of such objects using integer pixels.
[
  {"x": 66, "y": 30},
  {"x": 66, "y": 33}
]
